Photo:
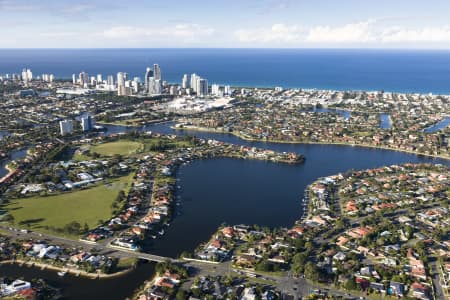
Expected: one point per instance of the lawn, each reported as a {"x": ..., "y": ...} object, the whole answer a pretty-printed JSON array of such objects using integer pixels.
[
  {"x": 84, "y": 206},
  {"x": 122, "y": 147}
]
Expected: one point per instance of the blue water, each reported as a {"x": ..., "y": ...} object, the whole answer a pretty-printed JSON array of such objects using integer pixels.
[
  {"x": 389, "y": 70},
  {"x": 14, "y": 155},
  {"x": 342, "y": 112},
  {"x": 243, "y": 191},
  {"x": 385, "y": 121},
  {"x": 439, "y": 125},
  {"x": 2, "y": 134}
]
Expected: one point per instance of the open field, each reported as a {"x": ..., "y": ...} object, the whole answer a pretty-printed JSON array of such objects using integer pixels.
[
  {"x": 122, "y": 147},
  {"x": 83, "y": 206}
]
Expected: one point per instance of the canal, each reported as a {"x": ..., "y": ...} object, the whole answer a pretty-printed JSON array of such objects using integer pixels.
[
  {"x": 439, "y": 125},
  {"x": 232, "y": 191},
  {"x": 17, "y": 154}
]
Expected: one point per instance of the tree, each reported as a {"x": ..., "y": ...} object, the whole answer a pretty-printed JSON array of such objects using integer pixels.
[
  {"x": 181, "y": 295},
  {"x": 298, "y": 262},
  {"x": 350, "y": 284},
  {"x": 9, "y": 218},
  {"x": 86, "y": 227},
  {"x": 311, "y": 272}
]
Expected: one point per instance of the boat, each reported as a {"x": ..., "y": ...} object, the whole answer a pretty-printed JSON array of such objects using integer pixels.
[{"x": 62, "y": 273}]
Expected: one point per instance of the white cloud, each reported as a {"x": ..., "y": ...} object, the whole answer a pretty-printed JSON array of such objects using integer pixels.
[
  {"x": 60, "y": 34},
  {"x": 349, "y": 33},
  {"x": 370, "y": 33},
  {"x": 277, "y": 33},
  {"x": 422, "y": 35},
  {"x": 186, "y": 32}
]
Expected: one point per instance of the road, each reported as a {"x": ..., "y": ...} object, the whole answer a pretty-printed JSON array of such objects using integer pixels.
[
  {"x": 438, "y": 289},
  {"x": 105, "y": 249},
  {"x": 288, "y": 284}
]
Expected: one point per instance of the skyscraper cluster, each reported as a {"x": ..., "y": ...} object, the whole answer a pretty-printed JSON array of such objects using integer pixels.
[
  {"x": 196, "y": 83},
  {"x": 217, "y": 90},
  {"x": 83, "y": 78},
  {"x": 27, "y": 75},
  {"x": 48, "y": 78},
  {"x": 153, "y": 83}
]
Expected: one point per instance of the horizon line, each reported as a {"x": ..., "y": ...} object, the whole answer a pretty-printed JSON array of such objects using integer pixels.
[{"x": 231, "y": 48}]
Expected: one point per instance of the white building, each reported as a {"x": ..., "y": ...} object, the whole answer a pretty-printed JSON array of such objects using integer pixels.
[
  {"x": 84, "y": 79},
  {"x": 154, "y": 86},
  {"x": 193, "y": 84},
  {"x": 216, "y": 91},
  {"x": 27, "y": 75},
  {"x": 123, "y": 86},
  {"x": 227, "y": 90},
  {"x": 15, "y": 287},
  {"x": 185, "y": 81},
  {"x": 66, "y": 127},
  {"x": 110, "y": 80},
  {"x": 202, "y": 87},
  {"x": 157, "y": 72},
  {"x": 87, "y": 122}
]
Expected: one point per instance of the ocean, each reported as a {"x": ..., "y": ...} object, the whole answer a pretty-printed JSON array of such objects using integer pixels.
[{"x": 411, "y": 71}]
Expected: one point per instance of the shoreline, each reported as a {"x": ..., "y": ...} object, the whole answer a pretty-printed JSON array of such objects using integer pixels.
[
  {"x": 204, "y": 129},
  {"x": 133, "y": 125},
  {"x": 10, "y": 171},
  {"x": 70, "y": 271}
]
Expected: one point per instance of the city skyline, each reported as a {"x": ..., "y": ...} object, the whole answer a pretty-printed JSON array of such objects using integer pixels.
[{"x": 214, "y": 24}]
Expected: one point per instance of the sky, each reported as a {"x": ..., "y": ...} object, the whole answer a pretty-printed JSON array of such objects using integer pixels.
[{"x": 406, "y": 24}]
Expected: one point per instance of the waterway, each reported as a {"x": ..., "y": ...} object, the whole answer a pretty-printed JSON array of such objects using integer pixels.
[
  {"x": 439, "y": 125},
  {"x": 73, "y": 287},
  {"x": 17, "y": 154},
  {"x": 253, "y": 192},
  {"x": 385, "y": 121},
  {"x": 232, "y": 191},
  {"x": 342, "y": 112},
  {"x": 2, "y": 134}
]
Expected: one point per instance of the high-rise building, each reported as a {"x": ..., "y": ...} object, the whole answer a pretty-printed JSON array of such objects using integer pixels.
[
  {"x": 194, "y": 82},
  {"x": 227, "y": 90},
  {"x": 154, "y": 86},
  {"x": 27, "y": 75},
  {"x": 87, "y": 122},
  {"x": 120, "y": 79},
  {"x": 173, "y": 90},
  {"x": 148, "y": 75},
  {"x": 215, "y": 90},
  {"x": 99, "y": 78},
  {"x": 48, "y": 77},
  {"x": 185, "y": 81},
  {"x": 84, "y": 78},
  {"x": 202, "y": 87},
  {"x": 157, "y": 72},
  {"x": 74, "y": 79},
  {"x": 66, "y": 127},
  {"x": 123, "y": 87},
  {"x": 110, "y": 80}
]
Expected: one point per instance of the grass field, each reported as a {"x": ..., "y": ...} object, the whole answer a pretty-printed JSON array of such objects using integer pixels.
[
  {"x": 119, "y": 147},
  {"x": 84, "y": 206}
]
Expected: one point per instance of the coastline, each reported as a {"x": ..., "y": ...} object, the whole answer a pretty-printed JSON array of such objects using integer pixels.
[
  {"x": 204, "y": 129},
  {"x": 134, "y": 125},
  {"x": 10, "y": 171},
  {"x": 72, "y": 271}
]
